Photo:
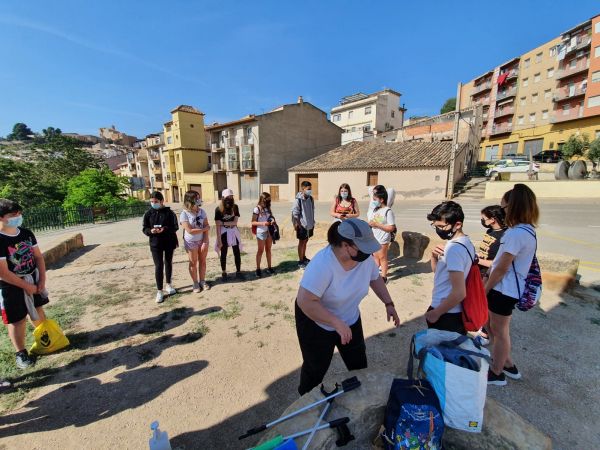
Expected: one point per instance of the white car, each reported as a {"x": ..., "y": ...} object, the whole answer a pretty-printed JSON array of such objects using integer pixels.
[{"x": 512, "y": 166}]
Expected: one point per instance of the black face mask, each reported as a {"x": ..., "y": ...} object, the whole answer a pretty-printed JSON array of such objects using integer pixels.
[
  {"x": 484, "y": 225},
  {"x": 445, "y": 234},
  {"x": 360, "y": 256},
  {"x": 228, "y": 203}
]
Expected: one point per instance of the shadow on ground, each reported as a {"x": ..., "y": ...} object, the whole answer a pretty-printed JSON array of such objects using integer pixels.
[{"x": 72, "y": 256}]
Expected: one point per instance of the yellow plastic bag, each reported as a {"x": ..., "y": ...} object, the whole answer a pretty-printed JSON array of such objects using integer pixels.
[{"x": 49, "y": 338}]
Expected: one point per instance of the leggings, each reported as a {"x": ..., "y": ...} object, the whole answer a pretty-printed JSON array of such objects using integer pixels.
[
  {"x": 159, "y": 265},
  {"x": 236, "y": 254}
]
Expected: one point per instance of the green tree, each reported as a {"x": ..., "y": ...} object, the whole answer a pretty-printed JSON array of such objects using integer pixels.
[
  {"x": 20, "y": 132},
  {"x": 593, "y": 153},
  {"x": 575, "y": 146},
  {"x": 21, "y": 181},
  {"x": 50, "y": 133},
  {"x": 449, "y": 106},
  {"x": 95, "y": 187}
]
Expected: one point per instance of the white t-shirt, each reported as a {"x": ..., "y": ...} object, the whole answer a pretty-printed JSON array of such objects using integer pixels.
[
  {"x": 455, "y": 259},
  {"x": 263, "y": 216},
  {"x": 384, "y": 216},
  {"x": 196, "y": 221},
  {"x": 519, "y": 242},
  {"x": 340, "y": 291}
]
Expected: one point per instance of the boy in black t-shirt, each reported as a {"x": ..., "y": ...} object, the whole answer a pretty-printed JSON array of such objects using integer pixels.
[{"x": 22, "y": 278}]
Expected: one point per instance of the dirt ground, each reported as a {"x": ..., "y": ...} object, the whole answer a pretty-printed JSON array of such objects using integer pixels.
[{"x": 209, "y": 366}]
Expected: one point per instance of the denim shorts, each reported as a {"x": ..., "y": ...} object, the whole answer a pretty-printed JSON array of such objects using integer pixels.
[{"x": 262, "y": 235}]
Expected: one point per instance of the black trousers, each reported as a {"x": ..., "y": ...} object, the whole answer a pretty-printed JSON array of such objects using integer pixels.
[
  {"x": 317, "y": 346},
  {"x": 163, "y": 261},
  {"x": 236, "y": 254},
  {"x": 448, "y": 322}
]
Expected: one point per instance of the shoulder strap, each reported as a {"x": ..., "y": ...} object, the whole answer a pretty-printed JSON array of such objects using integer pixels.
[{"x": 463, "y": 245}]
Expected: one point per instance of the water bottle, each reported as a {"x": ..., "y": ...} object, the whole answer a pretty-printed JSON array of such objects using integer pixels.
[{"x": 159, "y": 439}]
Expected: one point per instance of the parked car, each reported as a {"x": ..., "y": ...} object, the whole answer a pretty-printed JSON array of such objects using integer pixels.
[
  {"x": 515, "y": 156},
  {"x": 499, "y": 162},
  {"x": 511, "y": 167},
  {"x": 548, "y": 156}
]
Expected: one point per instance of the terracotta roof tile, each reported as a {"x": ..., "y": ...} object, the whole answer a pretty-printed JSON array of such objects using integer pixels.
[
  {"x": 187, "y": 108},
  {"x": 379, "y": 155}
]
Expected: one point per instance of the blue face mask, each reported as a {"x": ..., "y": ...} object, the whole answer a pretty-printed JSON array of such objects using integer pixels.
[
  {"x": 375, "y": 204},
  {"x": 344, "y": 195},
  {"x": 155, "y": 205},
  {"x": 15, "y": 222}
]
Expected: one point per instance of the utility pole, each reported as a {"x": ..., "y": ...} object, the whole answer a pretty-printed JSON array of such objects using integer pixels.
[{"x": 451, "y": 169}]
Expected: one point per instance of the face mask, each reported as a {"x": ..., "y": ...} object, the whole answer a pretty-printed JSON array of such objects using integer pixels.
[
  {"x": 15, "y": 222},
  {"x": 155, "y": 205},
  {"x": 199, "y": 202},
  {"x": 360, "y": 256},
  {"x": 445, "y": 234},
  {"x": 229, "y": 202},
  {"x": 308, "y": 192},
  {"x": 374, "y": 204},
  {"x": 344, "y": 195},
  {"x": 484, "y": 225}
]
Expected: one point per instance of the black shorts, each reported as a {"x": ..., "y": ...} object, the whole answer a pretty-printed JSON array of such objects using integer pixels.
[
  {"x": 501, "y": 304},
  {"x": 448, "y": 322},
  {"x": 12, "y": 302},
  {"x": 303, "y": 234}
]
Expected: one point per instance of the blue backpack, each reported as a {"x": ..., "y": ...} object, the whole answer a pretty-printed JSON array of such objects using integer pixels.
[
  {"x": 533, "y": 281},
  {"x": 413, "y": 416}
]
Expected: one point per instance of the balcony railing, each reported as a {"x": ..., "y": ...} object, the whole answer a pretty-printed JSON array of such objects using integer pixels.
[
  {"x": 218, "y": 167},
  {"x": 217, "y": 147},
  {"x": 504, "y": 112},
  {"x": 506, "y": 94},
  {"x": 568, "y": 94},
  {"x": 499, "y": 129},
  {"x": 232, "y": 142},
  {"x": 586, "y": 41},
  {"x": 155, "y": 156},
  {"x": 514, "y": 73},
  {"x": 574, "y": 113},
  {"x": 248, "y": 164},
  {"x": 568, "y": 71},
  {"x": 248, "y": 140},
  {"x": 482, "y": 87},
  {"x": 233, "y": 165}
]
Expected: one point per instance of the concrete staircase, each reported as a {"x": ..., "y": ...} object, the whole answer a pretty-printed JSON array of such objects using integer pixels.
[{"x": 470, "y": 188}]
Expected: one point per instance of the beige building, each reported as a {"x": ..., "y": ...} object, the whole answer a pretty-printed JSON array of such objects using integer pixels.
[
  {"x": 251, "y": 155},
  {"x": 115, "y": 136},
  {"x": 362, "y": 116},
  {"x": 154, "y": 147}
]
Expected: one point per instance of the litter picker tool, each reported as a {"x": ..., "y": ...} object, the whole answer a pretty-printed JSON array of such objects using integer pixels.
[
  {"x": 347, "y": 386},
  {"x": 338, "y": 424}
]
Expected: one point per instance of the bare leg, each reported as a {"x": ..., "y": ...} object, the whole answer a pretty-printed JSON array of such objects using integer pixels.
[
  {"x": 268, "y": 244},
  {"x": 41, "y": 313},
  {"x": 16, "y": 333},
  {"x": 500, "y": 330},
  {"x": 202, "y": 255},
  {"x": 259, "y": 252},
  {"x": 383, "y": 259},
  {"x": 193, "y": 264}
]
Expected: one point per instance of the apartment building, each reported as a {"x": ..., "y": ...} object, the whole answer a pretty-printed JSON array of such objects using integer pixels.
[
  {"x": 537, "y": 100},
  {"x": 153, "y": 145},
  {"x": 362, "y": 116},
  {"x": 186, "y": 156},
  {"x": 252, "y": 155}
]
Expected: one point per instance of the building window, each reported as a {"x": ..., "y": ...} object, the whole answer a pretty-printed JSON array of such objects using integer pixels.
[
  {"x": 572, "y": 63},
  {"x": 367, "y": 110},
  {"x": 538, "y": 57},
  {"x": 520, "y": 120},
  {"x": 526, "y": 63},
  {"x": 597, "y": 52},
  {"x": 545, "y": 114},
  {"x": 532, "y": 117},
  {"x": 594, "y": 101},
  {"x": 178, "y": 157},
  {"x": 547, "y": 94},
  {"x": 372, "y": 178},
  {"x": 350, "y": 114},
  {"x": 525, "y": 82},
  {"x": 596, "y": 75},
  {"x": 177, "y": 136},
  {"x": 523, "y": 101},
  {"x": 169, "y": 140},
  {"x": 566, "y": 109},
  {"x": 367, "y": 128},
  {"x": 534, "y": 98},
  {"x": 191, "y": 125},
  {"x": 353, "y": 129},
  {"x": 337, "y": 117},
  {"x": 553, "y": 51},
  {"x": 536, "y": 78},
  {"x": 393, "y": 113},
  {"x": 550, "y": 72},
  {"x": 597, "y": 30}
]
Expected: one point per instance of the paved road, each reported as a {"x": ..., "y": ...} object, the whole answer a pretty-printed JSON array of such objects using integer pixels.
[{"x": 567, "y": 227}]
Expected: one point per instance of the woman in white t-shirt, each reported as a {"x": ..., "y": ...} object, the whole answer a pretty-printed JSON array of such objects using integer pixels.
[
  {"x": 507, "y": 275},
  {"x": 262, "y": 218},
  {"x": 332, "y": 287},
  {"x": 194, "y": 222},
  {"x": 381, "y": 219}
]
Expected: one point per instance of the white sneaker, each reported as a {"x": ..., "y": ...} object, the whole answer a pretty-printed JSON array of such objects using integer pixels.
[
  {"x": 170, "y": 290},
  {"x": 159, "y": 297},
  {"x": 196, "y": 288},
  {"x": 204, "y": 285}
]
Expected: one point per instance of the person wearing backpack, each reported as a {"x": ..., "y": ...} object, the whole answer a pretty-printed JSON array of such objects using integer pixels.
[
  {"x": 451, "y": 264},
  {"x": 262, "y": 219},
  {"x": 303, "y": 220},
  {"x": 382, "y": 221},
  {"x": 344, "y": 206},
  {"x": 194, "y": 222},
  {"x": 506, "y": 280}
]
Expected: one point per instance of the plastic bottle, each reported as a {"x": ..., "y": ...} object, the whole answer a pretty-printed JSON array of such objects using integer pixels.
[{"x": 159, "y": 439}]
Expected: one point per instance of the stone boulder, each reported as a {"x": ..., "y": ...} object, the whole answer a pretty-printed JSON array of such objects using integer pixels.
[
  {"x": 365, "y": 406},
  {"x": 414, "y": 244}
]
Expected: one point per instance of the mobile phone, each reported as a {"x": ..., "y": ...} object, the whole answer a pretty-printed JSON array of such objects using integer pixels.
[{"x": 157, "y": 226}]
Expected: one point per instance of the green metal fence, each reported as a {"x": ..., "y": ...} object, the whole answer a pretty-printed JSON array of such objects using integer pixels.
[{"x": 56, "y": 218}]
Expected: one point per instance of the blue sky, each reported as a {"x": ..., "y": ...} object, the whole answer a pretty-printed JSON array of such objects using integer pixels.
[{"x": 80, "y": 65}]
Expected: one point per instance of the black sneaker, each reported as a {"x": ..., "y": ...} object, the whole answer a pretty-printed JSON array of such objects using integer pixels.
[
  {"x": 301, "y": 265},
  {"x": 258, "y": 273},
  {"x": 271, "y": 271},
  {"x": 512, "y": 372},
  {"x": 496, "y": 380},
  {"x": 23, "y": 360},
  {"x": 306, "y": 260},
  {"x": 240, "y": 276}
]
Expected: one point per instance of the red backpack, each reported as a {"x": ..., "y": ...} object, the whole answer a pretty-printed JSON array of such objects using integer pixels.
[{"x": 475, "y": 305}]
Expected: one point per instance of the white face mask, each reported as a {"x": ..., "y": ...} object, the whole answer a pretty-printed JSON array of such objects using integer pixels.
[{"x": 308, "y": 192}]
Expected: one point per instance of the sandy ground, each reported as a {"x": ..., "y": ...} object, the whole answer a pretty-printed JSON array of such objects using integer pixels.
[{"x": 209, "y": 366}]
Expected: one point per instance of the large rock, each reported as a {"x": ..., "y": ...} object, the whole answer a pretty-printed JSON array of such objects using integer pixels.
[
  {"x": 414, "y": 244},
  {"x": 365, "y": 406}
]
